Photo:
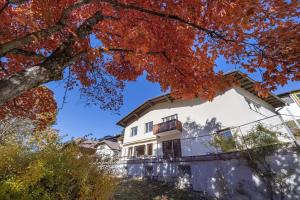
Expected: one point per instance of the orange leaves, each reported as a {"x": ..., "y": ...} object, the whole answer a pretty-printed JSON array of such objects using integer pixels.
[
  {"x": 176, "y": 43},
  {"x": 38, "y": 105}
]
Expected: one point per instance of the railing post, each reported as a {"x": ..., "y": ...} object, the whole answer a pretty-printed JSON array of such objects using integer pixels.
[
  {"x": 244, "y": 141},
  {"x": 173, "y": 149},
  {"x": 157, "y": 149}
]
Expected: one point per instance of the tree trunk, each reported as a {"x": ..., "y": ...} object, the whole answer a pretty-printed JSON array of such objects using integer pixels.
[{"x": 18, "y": 83}]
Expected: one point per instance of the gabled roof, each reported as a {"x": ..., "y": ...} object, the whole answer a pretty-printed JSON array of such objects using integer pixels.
[
  {"x": 112, "y": 145},
  {"x": 90, "y": 144},
  {"x": 245, "y": 82}
]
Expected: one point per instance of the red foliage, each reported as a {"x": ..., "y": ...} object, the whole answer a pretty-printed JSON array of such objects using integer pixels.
[
  {"x": 37, "y": 104},
  {"x": 175, "y": 42}
]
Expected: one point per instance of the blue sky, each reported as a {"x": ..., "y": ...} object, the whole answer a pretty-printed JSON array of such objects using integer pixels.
[{"x": 76, "y": 119}]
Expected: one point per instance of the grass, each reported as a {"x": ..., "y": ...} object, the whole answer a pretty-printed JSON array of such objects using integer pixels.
[{"x": 150, "y": 190}]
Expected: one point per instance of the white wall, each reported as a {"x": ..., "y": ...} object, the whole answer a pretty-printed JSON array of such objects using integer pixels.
[
  {"x": 225, "y": 177},
  {"x": 294, "y": 109},
  {"x": 104, "y": 150},
  {"x": 200, "y": 118}
]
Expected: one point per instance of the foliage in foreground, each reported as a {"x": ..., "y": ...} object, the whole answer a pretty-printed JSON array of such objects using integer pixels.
[
  {"x": 105, "y": 43},
  {"x": 38, "y": 166}
]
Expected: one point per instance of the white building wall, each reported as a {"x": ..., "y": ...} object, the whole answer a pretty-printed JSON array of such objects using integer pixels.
[
  {"x": 198, "y": 118},
  {"x": 104, "y": 150},
  {"x": 293, "y": 109}
]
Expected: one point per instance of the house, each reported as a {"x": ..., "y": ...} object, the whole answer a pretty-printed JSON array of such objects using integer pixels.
[
  {"x": 291, "y": 111},
  {"x": 110, "y": 147},
  {"x": 164, "y": 127},
  {"x": 86, "y": 146},
  {"x": 107, "y": 147},
  {"x": 292, "y": 101}
]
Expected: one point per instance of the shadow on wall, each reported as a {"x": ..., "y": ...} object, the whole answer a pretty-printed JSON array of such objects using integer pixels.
[
  {"x": 271, "y": 172},
  {"x": 196, "y": 138},
  {"x": 276, "y": 176}
]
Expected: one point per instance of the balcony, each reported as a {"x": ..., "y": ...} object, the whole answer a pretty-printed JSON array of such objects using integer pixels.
[{"x": 166, "y": 128}]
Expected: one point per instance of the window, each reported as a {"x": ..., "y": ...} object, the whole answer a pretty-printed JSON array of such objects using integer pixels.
[
  {"x": 185, "y": 171},
  {"x": 254, "y": 106},
  {"x": 129, "y": 152},
  {"x": 139, "y": 151},
  {"x": 150, "y": 149},
  {"x": 225, "y": 133},
  {"x": 171, "y": 149},
  {"x": 148, "y": 171},
  {"x": 169, "y": 118},
  {"x": 148, "y": 127},
  {"x": 133, "y": 131}
]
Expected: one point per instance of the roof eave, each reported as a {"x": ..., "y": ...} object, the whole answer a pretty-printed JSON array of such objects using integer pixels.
[{"x": 274, "y": 100}]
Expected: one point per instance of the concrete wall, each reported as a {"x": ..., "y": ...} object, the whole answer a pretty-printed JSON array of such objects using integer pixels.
[
  {"x": 226, "y": 176},
  {"x": 198, "y": 118}
]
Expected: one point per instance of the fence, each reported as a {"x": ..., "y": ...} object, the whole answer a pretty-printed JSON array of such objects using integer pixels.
[
  {"x": 198, "y": 141},
  {"x": 223, "y": 172}
]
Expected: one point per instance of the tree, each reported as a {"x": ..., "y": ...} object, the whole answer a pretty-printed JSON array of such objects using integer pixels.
[
  {"x": 37, "y": 105},
  {"x": 106, "y": 42},
  {"x": 37, "y": 165}
]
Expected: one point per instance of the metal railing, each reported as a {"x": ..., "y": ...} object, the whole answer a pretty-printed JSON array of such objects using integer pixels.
[
  {"x": 174, "y": 124},
  {"x": 196, "y": 142}
]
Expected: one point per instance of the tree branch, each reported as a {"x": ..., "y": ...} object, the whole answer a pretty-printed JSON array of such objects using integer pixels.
[
  {"x": 50, "y": 69},
  {"x": 12, "y": 2},
  {"x": 66, "y": 89},
  {"x": 8, "y": 46},
  {"x": 211, "y": 33},
  {"x": 27, "y": 53},
  {"x": 4, "y": 7}
]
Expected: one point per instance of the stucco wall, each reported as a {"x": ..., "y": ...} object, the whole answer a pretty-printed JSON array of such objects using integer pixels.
[
  {"x": 294, "y": 108},
  {"x": 226, "y": 177},
  {"x": 226, "y": 110}
]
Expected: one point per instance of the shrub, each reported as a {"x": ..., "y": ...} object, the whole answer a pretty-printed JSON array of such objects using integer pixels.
[{"x": 39, "y": 166}]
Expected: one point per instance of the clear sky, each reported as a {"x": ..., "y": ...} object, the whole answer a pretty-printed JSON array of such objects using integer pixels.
[{"x": 76, "y": 119}]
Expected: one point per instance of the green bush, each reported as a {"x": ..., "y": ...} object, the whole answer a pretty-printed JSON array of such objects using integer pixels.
[
  {"x": 260, "y": 136},
  {"x": 226, "y": 144},
  {"x": 38, "y": 166}
]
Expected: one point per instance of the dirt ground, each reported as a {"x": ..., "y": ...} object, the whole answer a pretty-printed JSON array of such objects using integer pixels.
[{"x": 150, "y": 190}]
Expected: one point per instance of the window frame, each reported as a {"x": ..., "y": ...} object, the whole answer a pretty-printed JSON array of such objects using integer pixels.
[
  {"x": 147, "y": 149},
  {"x": 147, "y": 130},
  {"x": 131, "y": 131},
  {"x": 171, "y": 117},
  {"x": 138, "y": 149},
  {"x": 222, "y": 131}
]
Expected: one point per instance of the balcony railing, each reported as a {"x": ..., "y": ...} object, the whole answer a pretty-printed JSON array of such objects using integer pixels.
[{"x": 174, "y": 124}]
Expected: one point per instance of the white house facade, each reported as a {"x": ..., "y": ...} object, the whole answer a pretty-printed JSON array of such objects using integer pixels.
[
  {"x": 291, "y": 111},
  {"x": 292, "y": 107},
  {"x": 171, "y": 128},
  {"x": 108, "y": 149}
]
